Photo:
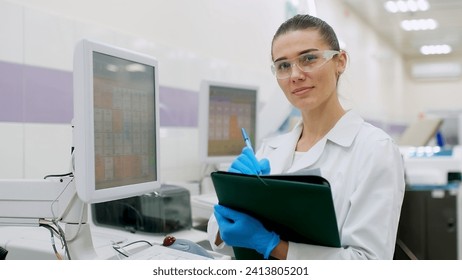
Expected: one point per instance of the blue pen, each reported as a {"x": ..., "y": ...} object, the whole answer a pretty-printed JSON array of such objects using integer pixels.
[{"x": 246, "y": 139}]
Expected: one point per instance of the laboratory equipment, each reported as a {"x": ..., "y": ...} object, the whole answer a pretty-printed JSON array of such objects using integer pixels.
[
  {"x": 116, "y": 126},
  {"x": 158, "y": 252},
  {"x": 116, "y": 122},
  {"x": 428, "y": 226},
  {"x": 420, "y": 132},
  {"x": 431, "y": 165},
  {"x": 430, "y": 221},
  {"x": 165, "y": 210},
  {"x": 223, "y": 110},
  {"x": 115, "y": 153},
  {"x": 451, "y": 128},
  {"x": 3, "y": 253},
  {"x": 23, "y": 202}
]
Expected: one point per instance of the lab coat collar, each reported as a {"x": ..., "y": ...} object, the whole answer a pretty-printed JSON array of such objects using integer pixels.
[
  {"x": 283, "y": 147},
  {"x": 346, "y": 129},
  {"x": 343, "y": 134}
]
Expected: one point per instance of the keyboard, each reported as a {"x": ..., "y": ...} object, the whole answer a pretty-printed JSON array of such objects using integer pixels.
[{"x": 158, "y": 252}]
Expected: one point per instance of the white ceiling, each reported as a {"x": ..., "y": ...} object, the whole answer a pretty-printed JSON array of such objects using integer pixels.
[{"x": 447, "y": 13}]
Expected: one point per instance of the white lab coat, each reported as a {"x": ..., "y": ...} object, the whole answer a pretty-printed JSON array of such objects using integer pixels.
[{"x": 366, "y": 173}]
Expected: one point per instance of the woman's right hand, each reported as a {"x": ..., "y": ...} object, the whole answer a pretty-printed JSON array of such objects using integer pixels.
[{"x": 247, "y": 163}]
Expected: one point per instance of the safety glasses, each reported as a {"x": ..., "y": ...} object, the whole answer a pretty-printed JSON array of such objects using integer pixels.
[{"x": 307, "y": 62}]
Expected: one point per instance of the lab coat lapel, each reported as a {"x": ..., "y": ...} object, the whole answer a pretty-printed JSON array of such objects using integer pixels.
[
  {"x": 282, "y": 150},
  {"x": 309, "y": 158}
]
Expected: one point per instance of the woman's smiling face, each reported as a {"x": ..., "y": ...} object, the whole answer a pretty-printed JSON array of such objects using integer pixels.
[{"x": 307, "y": 90}]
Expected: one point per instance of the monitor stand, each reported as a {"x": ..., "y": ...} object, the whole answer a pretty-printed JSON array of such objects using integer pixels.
[{"x": 77, "y": 231}]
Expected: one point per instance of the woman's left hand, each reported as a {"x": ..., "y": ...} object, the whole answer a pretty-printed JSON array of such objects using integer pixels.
[{"x": 241, "y": 230}]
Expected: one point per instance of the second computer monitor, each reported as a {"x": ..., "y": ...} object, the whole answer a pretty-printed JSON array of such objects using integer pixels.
[{"x": 224, "y": 109}]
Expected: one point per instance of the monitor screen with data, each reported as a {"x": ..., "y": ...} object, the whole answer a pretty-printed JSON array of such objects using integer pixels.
[
  {"x": 115, "y": 122},
  {"x": 225, "y": 109}
]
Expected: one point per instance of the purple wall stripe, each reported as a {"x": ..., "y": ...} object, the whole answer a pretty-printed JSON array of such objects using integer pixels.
[
  {"x": 47, "y": 95},
  {"x": 41, "y": 95},
  {"x": 178, "y": 107},
  {"x": 11, "y": 92}
]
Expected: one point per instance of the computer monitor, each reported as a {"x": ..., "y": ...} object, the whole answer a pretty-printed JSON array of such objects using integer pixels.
[
  {"x": 116, "y": 122},
  {"x": 224, "y": 109},
  {"x": 116, "y": 147}
]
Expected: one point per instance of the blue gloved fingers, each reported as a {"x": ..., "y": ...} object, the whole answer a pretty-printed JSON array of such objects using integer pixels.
[
  {"x": 233, "y": 225},
  {"x": 241, "y": 230},
  {"x": 227, "y": 226},
  {"x": 252, "y": 159},
  {"x": 265, "y": 166},
  {"x": 245, "y": 163},
  {"x": 242, "y": 165},
  {"x": 222, "y": 220},
  {"x": 228, "y": 213}
]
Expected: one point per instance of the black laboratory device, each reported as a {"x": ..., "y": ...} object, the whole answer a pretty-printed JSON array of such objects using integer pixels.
[
  {"x": 166, "y": 210},
  {"x": 3, "y": 253}
]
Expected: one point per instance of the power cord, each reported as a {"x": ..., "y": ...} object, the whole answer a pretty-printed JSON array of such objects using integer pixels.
[
  {"x": 120, "y": 248},
  {"x": 56, "y": 230},
  {"x": 53, "y": 231}
]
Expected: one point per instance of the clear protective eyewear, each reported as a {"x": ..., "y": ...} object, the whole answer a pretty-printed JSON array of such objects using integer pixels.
[{"x": 307, "y": 62}]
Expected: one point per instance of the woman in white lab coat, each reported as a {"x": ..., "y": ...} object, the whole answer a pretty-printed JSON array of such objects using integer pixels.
[{"x": 361, "y": 162}]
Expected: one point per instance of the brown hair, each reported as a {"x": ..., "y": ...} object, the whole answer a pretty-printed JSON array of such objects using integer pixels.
[{"x": 301, "y": 22}]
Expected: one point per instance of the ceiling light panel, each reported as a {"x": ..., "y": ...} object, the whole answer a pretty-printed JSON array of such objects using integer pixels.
[
  {"x": 435, "y": 49},
  {"x": 402, "y": 6},
  {"x": 419, "y": 24}
]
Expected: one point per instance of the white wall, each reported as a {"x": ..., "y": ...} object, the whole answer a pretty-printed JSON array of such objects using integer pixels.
[
  {"x": 434, "y": 94},
  {"x": 378, "y": 80},
  {"x": 204, "y": 40},
  {"x": 193, "y": 40},
  {"x": 373, "y": 81}
]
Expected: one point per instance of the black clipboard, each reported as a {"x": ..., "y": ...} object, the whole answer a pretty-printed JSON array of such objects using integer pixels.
[{"x": 297, "y": 207}]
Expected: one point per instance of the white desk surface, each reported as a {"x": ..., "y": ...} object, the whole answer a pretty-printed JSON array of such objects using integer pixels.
[{"x": 34, "y": 243}]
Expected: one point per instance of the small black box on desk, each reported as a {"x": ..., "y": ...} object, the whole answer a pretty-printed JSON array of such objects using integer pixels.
[{"x": 166, "y": 210}]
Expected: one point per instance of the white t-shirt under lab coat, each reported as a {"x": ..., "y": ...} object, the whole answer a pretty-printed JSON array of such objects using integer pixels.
[{"x": 366, "y": 173}]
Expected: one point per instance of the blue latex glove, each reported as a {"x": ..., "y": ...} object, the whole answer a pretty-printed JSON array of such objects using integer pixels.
[
  {"x": 247, "y": 163},
  {"x": 241, "y": 230}
]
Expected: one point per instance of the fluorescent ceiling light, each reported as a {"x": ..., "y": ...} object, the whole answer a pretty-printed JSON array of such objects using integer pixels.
[
  {"x": 435, "y": 49},
  {"x": 422, "y": 5},
  {"x": 419, "y": 24},
  {"x": 402, "y": 6}
]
